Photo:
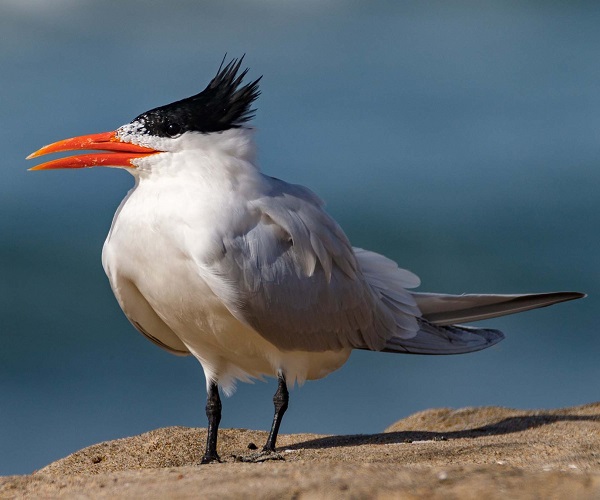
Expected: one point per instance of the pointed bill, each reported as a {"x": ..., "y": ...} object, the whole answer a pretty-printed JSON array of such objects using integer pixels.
[{"x": 115, "y": 153}]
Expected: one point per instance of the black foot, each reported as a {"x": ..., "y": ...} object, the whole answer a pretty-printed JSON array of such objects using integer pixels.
[
  {"x": 262, "y": 456},
  {"x": 211, "y": 459}
]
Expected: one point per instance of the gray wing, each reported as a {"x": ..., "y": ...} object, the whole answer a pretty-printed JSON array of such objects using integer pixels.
[
  {"x": 301, "y": 286},
  {"x": 450, "y": 339},
  {"x": 442, "y": 309},
  {"x": 438, "y": 333}
]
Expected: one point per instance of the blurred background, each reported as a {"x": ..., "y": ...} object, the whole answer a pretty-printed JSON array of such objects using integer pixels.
[{"x": 461, "y": 139}]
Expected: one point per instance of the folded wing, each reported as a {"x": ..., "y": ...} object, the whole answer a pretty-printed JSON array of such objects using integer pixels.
[
  {"x": 443, "y": 309},
  {"x": 299, "y": 283}
]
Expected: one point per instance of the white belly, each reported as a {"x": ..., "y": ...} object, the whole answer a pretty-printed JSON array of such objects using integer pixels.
[{"x": 161, "y": 289}]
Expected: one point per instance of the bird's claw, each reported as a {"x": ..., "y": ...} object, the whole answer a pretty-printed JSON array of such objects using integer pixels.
[
  {"x": 262, "y": 456},
  {"x": 210, "y": 459}
]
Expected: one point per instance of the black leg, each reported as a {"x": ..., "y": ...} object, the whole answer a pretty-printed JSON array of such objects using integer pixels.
[
  {"x": 213, "y": 412},
  {"x": 280, "y": 400}
]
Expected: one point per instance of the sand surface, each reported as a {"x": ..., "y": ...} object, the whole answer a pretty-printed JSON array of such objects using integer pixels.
[{"x": 478, "y": 453}]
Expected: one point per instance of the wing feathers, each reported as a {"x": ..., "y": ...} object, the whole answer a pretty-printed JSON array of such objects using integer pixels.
[
  {"x": 298, "y": 282},
  {"x": 436, "y": 339},
  {"x": 449, "y": 309},
  {"x": 322, "y": 254}
]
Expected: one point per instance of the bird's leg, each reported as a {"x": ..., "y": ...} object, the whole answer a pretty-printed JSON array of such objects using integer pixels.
[
  {"x": 213, "y": 412},
  {"x": 280, "y": 400}
]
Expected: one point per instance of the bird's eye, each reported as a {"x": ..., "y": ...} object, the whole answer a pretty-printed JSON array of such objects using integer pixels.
[{"x": 173, "y": 129}]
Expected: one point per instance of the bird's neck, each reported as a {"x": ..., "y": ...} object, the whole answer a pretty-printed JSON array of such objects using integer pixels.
[
  {"x": 209, "y": 158},
  {"x": 237, "y": 143}
]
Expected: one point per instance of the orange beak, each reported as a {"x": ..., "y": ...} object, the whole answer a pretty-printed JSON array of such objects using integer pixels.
[{"x": 116, "y": 153}]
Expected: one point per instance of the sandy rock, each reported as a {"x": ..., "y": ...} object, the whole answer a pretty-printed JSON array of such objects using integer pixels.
[{"x": 441, "y": 453}]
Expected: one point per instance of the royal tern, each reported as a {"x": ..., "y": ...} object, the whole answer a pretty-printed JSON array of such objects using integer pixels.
[{"x": 206, "y": 255}]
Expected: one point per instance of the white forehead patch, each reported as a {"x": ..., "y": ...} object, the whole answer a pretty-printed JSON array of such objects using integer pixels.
[
  {"x": 136, "y": 133},
  {"x": 132, "y": 132}
]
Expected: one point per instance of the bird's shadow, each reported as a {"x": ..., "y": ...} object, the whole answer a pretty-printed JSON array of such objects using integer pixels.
[{"x": 505, "y": 426}]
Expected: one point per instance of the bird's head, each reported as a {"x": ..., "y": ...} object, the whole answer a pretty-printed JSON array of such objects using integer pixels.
[{"x": 225, "y": 104}]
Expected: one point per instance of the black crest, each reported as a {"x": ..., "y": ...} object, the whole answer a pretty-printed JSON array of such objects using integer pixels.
[{"x": 222, "y": 105}]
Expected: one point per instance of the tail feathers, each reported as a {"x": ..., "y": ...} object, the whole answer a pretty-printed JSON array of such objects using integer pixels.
[
  {"x": 436, "y": 339},
  {"x": 441, "y": 309}
]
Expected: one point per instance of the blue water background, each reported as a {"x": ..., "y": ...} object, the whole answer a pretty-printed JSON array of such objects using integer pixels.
[{"x": 461, "y": 139}]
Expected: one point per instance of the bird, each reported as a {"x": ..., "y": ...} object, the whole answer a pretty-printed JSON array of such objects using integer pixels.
[{"x": 208, "y": 256}]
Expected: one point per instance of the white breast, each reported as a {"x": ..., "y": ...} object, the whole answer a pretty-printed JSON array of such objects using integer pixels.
[{"x": 157, "y": 257}]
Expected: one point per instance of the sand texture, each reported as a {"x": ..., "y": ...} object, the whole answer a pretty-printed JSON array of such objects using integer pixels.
[{"x": 478, "y": 453}]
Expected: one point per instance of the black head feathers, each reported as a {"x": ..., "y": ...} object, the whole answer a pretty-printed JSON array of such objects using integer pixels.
[{"x": 222, "y": 105}]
